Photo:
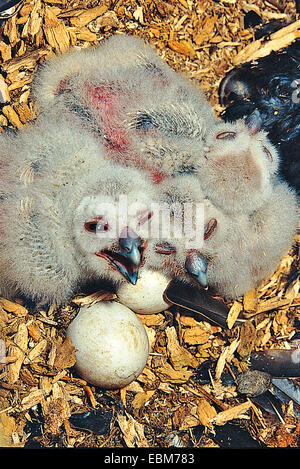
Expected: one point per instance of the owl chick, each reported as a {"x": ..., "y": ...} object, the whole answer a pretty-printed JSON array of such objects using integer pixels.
[
  {"x": 144, "y": 112},
  {"x": 239, "y": 249},
  {"x": 68, "y": 215},
  {"x": 239, "y": 166}
]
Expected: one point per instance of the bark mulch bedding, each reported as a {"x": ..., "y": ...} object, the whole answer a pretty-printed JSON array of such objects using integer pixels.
[{"x": 41, "y": 396}]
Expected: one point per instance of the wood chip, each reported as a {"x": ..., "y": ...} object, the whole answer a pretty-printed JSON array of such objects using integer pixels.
[
  {"x": 233, "y": 314},
  {"x": 84, "y": 34},
  {"x": 108, "y": 20},
  {"x": 28, "y": 61},
  {"x": 185, "y": 417},
  {"x": 166, "y": 373},
  {"x": 7, "y": 426},
  {"x": 195, "y": 335},
  {"x": 55, "y": 31},
  {"x": 18, "y": 352},
  {"x": 247, "y": 339},
  {"x": 250, "y": 301},
  {"x": 204, "y": 29},
  {"x": 87, "y": 16},
  {"x": 293, "y": 291},
  {"x": 56, "y": 409},
  {"x": 65, "y": 355},
  {"x": 12, "y": 116},
  {"x": 34, "y": 332},
  {"x": 4, "y": 92},
  {"x": 133, "y": 431},
  {"x": 138, "y": 14},
  {"x": 179, "y": 356},
  {"x": 5, "y": 51},
  {"x": 28, "y": 377},
  {"x": 36, "y": 396},
  {"x": 36, "y": 352},
  {"x": 148, "y": 377},
  {"x": 24, "y": 112},
  {"x": 14, "y": 308},
  {"x": 278, "y": 40},
  {"x": 10, "y": 31},
  {"x": 151, "y": 319},
  {"x": 225, "y": 356},
  {"x": 206, "y": 412},
  {"x": 94, "y": 298},
  {"x": 141, "y": 399},
  {"x": 183, "y": 47},
  {"x": 272, "y": 303},
  {"x": 34, "y": 22},
  {"x": 232, "y": 413}
]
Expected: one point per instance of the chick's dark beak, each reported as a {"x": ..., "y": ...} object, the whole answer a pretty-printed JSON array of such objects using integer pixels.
[
  {"x": 196, "y": 266},
  {"x": 132, "y": 249},
  {"x": 129, "y": 257},
  {"x": 131, "y": 246}
]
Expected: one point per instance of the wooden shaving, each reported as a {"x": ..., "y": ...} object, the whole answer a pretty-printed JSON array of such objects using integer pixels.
[
  {"x": 17, "y": 351},
  {"x": 278, "y": 40},
  {"x": 232, "y": 413},
  {"x": 233, "y": 314}
]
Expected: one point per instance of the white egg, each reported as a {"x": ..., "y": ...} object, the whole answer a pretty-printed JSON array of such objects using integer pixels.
[
  {"x": 111, "y": 344},
  {"x": 146, "y": 296}
]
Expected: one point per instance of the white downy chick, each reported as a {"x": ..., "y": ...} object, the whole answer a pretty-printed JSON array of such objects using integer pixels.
[
  {"x": 59, "y": 204},
  {"x": 144, "y": 112},
  {"x": 239, "y": 167},
  {"x": 240, "y": 249}
]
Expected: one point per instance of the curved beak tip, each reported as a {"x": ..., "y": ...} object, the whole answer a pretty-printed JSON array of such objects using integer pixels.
[
  {"x": 202, "y": 282},
  {"x": 133, "y": 277},
  {"x": 197, "y": 267},
  {"x": 121, "y": 263}
]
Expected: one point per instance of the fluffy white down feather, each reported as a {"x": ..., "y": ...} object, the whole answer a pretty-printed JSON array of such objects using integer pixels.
[
  {"x": 244, "y": 248},
  {"x": 53, "y": 180}
]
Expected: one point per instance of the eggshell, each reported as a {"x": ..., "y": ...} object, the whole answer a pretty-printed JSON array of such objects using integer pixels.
[
  {"x": 146, "y": 297},
  {"x": 111, "y": 344}
]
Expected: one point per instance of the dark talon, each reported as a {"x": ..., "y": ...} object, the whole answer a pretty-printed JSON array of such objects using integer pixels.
[
  {"x": 254, "y": 122},
  {"x": 199, "y": 301}
]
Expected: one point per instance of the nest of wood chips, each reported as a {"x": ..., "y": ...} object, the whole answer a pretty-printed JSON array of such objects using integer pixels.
[{"x": 164, "y": 406}]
